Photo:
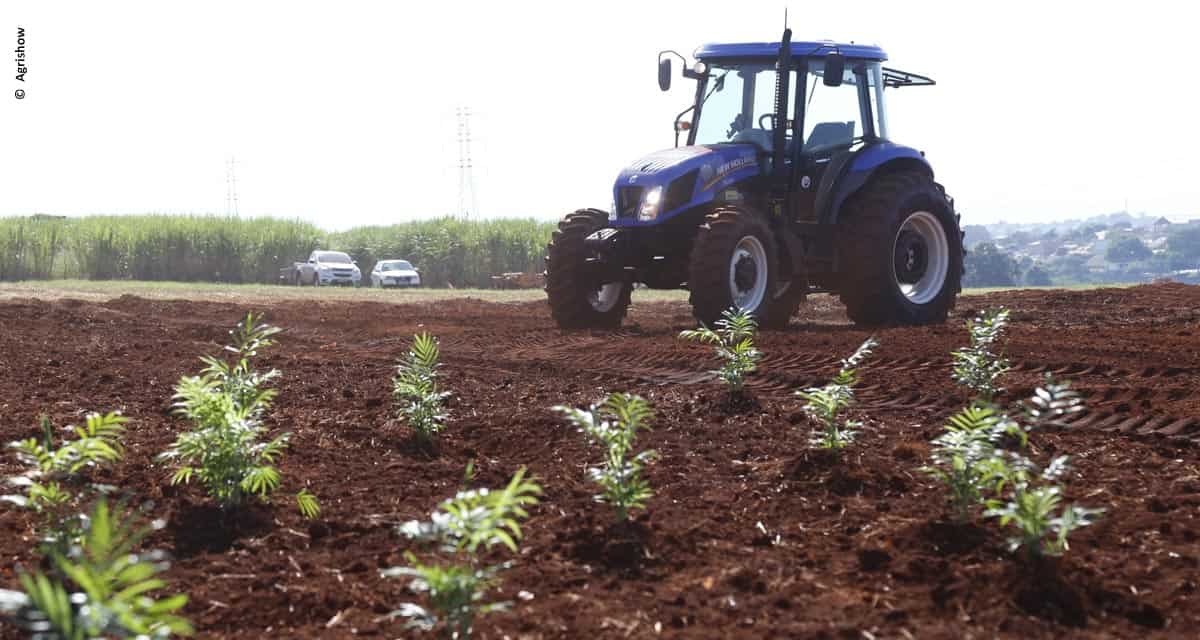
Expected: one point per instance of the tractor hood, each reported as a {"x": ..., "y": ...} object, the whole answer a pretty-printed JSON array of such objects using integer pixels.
[{"x": 683, "y": 178}]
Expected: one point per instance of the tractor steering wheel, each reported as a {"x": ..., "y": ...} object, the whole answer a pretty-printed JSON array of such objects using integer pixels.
[{"x": 766, "y": 115}]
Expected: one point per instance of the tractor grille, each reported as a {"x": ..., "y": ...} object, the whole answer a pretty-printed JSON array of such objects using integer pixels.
[
  {"x": 628, "y": 201},
  {"x": 679, "y": 192}
]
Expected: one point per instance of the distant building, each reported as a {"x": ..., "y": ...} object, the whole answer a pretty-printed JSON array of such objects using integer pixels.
[{"x": 1161, "y": 223}]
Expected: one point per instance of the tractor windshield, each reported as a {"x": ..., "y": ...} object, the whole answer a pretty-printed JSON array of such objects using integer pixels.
[{"x": 739, "y": 106}]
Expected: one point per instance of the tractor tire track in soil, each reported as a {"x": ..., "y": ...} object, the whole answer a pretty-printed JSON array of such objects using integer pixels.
[{"x": 751, "y": 533}]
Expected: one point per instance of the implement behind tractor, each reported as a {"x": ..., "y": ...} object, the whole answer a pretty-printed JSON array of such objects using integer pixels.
[{"x": 788, "y": 184}]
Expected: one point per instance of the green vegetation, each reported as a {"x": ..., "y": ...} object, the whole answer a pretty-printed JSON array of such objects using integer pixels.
[
  {"x": 452, "y": 251},
  {"x": 965, "y": 457},
  {"x": 985, "y": 265},
  {"x": 826, "y": 404},
  {"x": 54, "y": 486},
  {"x": 104, "y": 592},
  {"x": 977, "y": 367},
  {"x": 153, "y": 247},
  {"x": 1033, "y": 502},
  {"x": 613, "y": 425},
  {"x": 472, "y": 521},
  {"x": 448, "y": 251},
  {"x": 734, "y": 340},
  {"x": 415, "y": 388},
  {"x": 982, "y": 451},
  {"x": 226, "y": 404}
]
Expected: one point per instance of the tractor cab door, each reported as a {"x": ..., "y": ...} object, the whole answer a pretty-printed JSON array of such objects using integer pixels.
[{"x": 838, "y": 121}]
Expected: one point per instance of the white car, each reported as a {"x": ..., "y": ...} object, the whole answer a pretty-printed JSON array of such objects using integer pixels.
[
  {"x": 328, "y": 268},
  {"x": 394, "y": 273}
]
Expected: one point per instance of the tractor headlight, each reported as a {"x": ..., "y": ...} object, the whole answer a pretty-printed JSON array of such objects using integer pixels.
[{"x": 650, "y": 202}]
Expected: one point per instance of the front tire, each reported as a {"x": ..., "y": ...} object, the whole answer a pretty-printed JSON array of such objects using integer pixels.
[
  {"x": 732, "y": 265},
  {"x": 901, "y": 253},
  {"x": 576, "y": 302}
]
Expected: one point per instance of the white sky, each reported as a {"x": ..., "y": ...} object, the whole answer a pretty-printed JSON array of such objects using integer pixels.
[{"x": 342, "y": 113}]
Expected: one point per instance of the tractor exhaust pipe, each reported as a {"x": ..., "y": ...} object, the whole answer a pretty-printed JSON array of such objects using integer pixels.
[{"x": 782, "y": 80}]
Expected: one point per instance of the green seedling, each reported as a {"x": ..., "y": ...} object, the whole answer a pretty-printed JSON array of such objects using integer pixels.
[
  {"x": 613, "y": 425},
  {"x": 415, "y": 389},
  {"x": 826, "y": 404},
  {"x": 734, "y": 342}
]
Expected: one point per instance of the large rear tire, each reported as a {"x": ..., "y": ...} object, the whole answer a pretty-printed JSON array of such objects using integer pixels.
[
  {"x": 575, "y": 301},
  {"x": 900, "y": 252},
  {"x": 732, "y": 265},
  {"x": 786, "y": 304}
]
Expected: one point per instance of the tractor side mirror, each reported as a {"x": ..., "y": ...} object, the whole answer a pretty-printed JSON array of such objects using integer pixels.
[
  {"x": 664, "y": 73},
  {"x": 835, "y": 68}
]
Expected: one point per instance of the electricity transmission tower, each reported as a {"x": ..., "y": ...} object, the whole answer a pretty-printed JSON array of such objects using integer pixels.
[
  {"x": 231, "y": 195},
  {"x": 466, "y": 179}
]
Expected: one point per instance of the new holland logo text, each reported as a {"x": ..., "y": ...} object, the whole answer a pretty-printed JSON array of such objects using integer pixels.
[{"x": 729, "y": 167}]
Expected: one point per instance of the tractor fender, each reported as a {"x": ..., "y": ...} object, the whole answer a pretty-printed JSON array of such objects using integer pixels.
[{"x": 849, "y": 172}]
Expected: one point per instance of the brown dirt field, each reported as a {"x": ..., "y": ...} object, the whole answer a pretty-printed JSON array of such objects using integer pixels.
[{"x": 751, "y": 534}]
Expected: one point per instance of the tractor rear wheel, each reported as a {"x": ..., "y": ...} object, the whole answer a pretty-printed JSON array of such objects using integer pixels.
[
  {"x": 576, "y": 302},
  {"x": 732, "y": 265},
  {"x": 900, "y": 252}
]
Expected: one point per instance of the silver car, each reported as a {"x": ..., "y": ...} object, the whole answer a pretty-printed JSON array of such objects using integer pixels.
[{"x": 394, "y": 273}]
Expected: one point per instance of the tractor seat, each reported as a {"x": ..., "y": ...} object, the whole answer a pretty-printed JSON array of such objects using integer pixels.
[{"x": 830, "y": 134}]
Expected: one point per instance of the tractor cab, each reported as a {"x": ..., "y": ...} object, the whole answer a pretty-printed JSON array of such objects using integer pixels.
[{"x": 783, "y": 181}]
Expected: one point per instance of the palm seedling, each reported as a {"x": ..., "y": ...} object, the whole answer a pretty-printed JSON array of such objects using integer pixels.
[
  {"x": 979, "y": 367},
  {"x": 415, "y": 388},
  {"x": 55, "y": 485},
  {"x": 733, "y": 338},
  {"x": 826, "y": 404},
  {"x": 107, "y": 591},
  {"x": 613, "y": 426},
  {"x": 463, "y": 527},
  {"x": 226, "y": 450}
]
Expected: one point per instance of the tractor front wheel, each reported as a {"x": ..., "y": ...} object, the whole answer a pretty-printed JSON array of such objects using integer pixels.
[
  {"x": 900, "y": 252},
  {"x": 576, "y": 300},
  {"x": 732, "y": 266}
]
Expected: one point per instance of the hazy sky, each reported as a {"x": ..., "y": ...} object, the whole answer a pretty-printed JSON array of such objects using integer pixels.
[{"x": 343, "y": 112}]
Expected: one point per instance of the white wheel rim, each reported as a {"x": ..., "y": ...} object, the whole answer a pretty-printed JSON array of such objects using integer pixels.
[
  {"x": 747, "y": 296},
  {"x": 606, "y": 297},
  {"x": 932, "y": 279}
]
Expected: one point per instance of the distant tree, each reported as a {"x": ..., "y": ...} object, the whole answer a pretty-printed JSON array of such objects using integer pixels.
[
  {"x": 976, "y": 233},
  {"x": 1087, "y": 232},
  {"x": 1072, "y": 267},
  {"x": 1019, "y": 238},
  {"x": 1183, "y": 244},
  {"x": 1125, "y": 248},
  {"x": 1178, "y": 261},
  {"x": 1037, "y": 277},
  {"x": 988, "y": 266}
]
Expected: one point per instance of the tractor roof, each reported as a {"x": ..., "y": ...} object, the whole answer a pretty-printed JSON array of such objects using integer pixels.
[{"x": 770, "y": 50}]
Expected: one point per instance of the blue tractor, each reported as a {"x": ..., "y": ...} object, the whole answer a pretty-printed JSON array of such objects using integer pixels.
[{"x": 788, "y": 184}]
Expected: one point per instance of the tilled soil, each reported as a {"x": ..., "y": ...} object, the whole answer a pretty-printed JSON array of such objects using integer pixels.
[{"x": 752, "y": 533}]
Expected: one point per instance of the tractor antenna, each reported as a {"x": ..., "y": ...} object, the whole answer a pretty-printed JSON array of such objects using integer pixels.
[
  {"x": 785, "y": 22},
  {"x": 466, "y": 178}
]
